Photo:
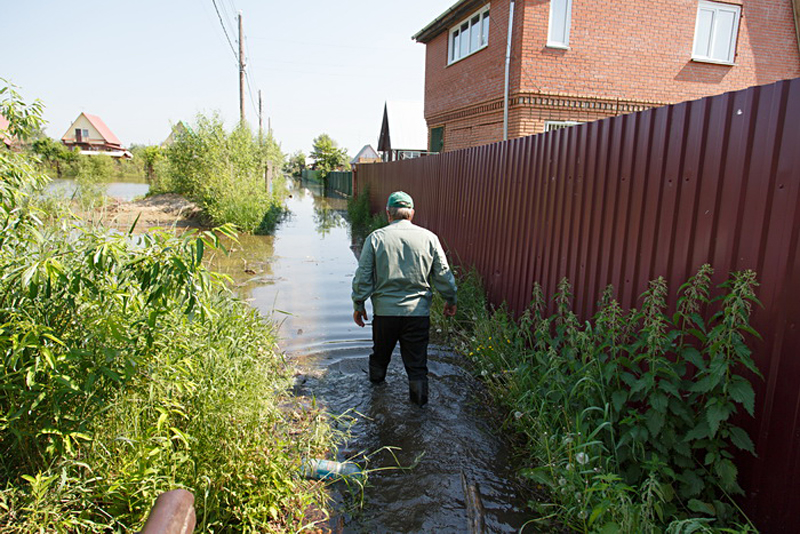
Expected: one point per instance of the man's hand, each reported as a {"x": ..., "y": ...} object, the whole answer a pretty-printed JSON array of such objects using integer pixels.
[
  {"x": 359, "y": 317},
  {"x": 449, "y": 310}
]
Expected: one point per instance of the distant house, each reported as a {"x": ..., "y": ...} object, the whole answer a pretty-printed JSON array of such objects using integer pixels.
[
  {"x": 91, "y": 136},
  {"x": 366, "y": 155},
  {"x": 5, "y": 137},
  {"x": 403, "y": 134},
  {"x": 511, "y": 69},
  {"x": 178, "y": 129}
]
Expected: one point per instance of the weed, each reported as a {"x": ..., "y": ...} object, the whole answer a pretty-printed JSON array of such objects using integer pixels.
[{"x": 628, "y": 418}]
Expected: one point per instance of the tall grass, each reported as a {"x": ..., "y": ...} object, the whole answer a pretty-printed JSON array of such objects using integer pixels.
[
  {"x": 630, "y": 420},
  {"x": 362, "y": 220},
  {"x": 128, "y": 369}
]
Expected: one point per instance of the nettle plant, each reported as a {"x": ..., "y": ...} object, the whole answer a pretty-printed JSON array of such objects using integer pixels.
[{"x": 630, "y": 417}]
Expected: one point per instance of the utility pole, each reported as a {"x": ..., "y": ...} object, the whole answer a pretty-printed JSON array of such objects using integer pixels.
[
  {"x": 241, "y": 70},
  {"x": 260, "y": 120}
]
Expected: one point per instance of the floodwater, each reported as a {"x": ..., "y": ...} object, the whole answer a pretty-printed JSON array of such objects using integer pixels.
[
  {"x": 425, "y": 464},
  {"x": 120, "y": 190}
]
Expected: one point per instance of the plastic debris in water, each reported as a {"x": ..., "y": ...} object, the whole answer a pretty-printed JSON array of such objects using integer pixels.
[{"x": 327, "y": 469}]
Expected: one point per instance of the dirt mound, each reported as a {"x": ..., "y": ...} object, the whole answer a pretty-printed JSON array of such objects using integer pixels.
[{"x": 168, "y": 210}]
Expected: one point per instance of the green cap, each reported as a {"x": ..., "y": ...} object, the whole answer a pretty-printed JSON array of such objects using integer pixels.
[{"x": 399, "y": 199}]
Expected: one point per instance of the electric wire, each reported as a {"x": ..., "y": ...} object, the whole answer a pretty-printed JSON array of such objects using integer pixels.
[{"x": 222, "y": 23}]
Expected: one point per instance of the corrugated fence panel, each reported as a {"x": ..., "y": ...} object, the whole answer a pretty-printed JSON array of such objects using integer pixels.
[{"x": 625, "y": 200}]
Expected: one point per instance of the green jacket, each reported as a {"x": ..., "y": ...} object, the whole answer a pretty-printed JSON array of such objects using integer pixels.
[{"x": 399, "y": 266}]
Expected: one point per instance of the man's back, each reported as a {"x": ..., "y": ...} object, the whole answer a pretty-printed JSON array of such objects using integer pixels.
[{"x": 399, "y": 263}]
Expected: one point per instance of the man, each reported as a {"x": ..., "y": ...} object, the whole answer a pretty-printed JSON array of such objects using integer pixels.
[{"x": 399, "y": 265}]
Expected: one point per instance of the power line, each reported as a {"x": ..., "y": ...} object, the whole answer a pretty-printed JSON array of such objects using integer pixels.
[{"x": 225, "y": 30}]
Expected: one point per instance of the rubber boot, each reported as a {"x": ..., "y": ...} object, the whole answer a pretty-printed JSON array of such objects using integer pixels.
[
  {"x": 418, "y": 391},
  {"x": 377, "y": 374}
]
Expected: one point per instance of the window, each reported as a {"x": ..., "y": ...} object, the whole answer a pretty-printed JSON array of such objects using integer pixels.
[
  {"x": 715, "y": 32},
  {"x": 437, "y": 139},
  {"x": 560, "y": 19},
  {"x": 469, "y": 36},
  {"x": 549, "y": 126}
]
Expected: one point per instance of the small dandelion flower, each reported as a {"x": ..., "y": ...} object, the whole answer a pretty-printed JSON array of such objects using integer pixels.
[
  {"x": 484, "y": 372},
  {"x": 568, "y": 440},
  {"x": 582, "y": 514},
  {"x": 562, "y": 481},
  {"x": 582, "y": 458},
  {"x": 578, "y": 496},
  {"x": 596, "y": 469},
  {"x": 569, "y": 467},
  {"x": 438, "y": 330},
  {"x": 517, "y": 415},
  {"x": 564, "y": 491}
]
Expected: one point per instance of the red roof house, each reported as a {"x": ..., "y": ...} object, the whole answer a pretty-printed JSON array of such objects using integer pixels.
[{"x": 91, "y": 135}]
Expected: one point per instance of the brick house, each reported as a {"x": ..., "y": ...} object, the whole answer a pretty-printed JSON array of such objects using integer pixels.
[{"x": 574, "y": 61}]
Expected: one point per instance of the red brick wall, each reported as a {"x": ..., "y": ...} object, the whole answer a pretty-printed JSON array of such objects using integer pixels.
[
  {"x": 473, "y": 79},
  {"x": 642, "y": 50},
  {"x": 638, "y": 51}
]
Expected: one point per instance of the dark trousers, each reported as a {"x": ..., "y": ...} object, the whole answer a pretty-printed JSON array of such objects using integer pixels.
[{"x": 412, "y": 333}]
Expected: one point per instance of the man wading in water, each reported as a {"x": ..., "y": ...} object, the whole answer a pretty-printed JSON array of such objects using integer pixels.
[{"x": 399, "y": 266}]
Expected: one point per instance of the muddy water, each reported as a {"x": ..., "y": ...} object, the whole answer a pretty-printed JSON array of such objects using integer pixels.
[{"x": 302, "y": 277}]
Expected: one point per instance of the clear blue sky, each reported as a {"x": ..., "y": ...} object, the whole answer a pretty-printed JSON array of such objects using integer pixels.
[{"x": 322, "y": 66}]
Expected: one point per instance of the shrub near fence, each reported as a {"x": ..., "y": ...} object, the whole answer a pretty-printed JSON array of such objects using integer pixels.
[{"x": 628, "y": 199}]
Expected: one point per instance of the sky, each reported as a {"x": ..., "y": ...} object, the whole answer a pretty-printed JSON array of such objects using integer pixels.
[{"x": 322, "y": 66}]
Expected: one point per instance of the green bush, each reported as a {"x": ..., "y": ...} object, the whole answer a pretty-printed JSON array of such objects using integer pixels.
[
  {"x": 223, "y": 172},
  {"x": 628, "y": 419}
]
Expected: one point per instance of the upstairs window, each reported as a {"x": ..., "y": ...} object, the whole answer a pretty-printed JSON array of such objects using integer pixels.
[
  {"x": 550, "y": 126},
  {"x": 560, "y": 20},
  {"x": 469, "y": 36},
  {"x": 715, "y": 32}
]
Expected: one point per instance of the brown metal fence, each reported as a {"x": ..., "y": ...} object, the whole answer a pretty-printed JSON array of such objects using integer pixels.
[{"x": 624, "y": 200}]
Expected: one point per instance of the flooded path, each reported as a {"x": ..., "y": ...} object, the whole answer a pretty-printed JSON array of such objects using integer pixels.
[{"x": 302, "y": 277}]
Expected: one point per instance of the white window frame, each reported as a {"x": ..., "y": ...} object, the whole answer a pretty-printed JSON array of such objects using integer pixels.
[
  {"x": 550, "y": 126},
  {"x": 456, "y": 51},
  {"x": 554, "y": 40},
  {"x": 698, "y": 46}
]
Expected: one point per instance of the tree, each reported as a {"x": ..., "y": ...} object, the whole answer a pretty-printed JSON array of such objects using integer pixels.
[
  {"x": 296, "y": 163},
  {"x": 53, "y": 153},
  {"x": 328, "y": 156}
]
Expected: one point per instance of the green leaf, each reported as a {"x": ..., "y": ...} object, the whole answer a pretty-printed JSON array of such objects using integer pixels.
[
  {"x": 538, "y": 474},
  {"x": 691, "y": 484},
  {"x": 727, "y": 474},
  {"x": 702, "y": 507},
  {"x": 618, "y": 398},
  {"x": 610, "y": 528},
  {"x": 199, "y": 256},
  {"x": 655, "y": 421},
  {"x": 659, "y": 401},
  {"x": 693, "y": 356},
  {"x": 716, "y": 412},
  {"x": 705, "y": 384},
  {"x": 740, "y": 439},
  {"x": 742, "y": 392},
  {"x": 698, "y": 432}
]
